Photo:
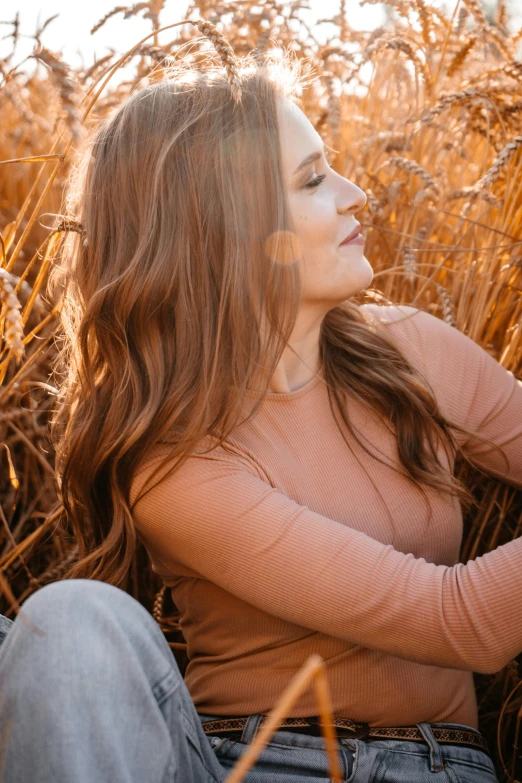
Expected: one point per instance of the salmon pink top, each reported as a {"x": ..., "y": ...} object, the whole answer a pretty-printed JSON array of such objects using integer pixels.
[{"x": 289, "y": 542}]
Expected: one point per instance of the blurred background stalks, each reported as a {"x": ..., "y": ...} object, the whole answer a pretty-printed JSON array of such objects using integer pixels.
[{"x": 423, "y": 113}]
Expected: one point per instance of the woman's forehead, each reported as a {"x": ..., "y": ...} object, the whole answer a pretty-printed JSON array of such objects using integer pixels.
[{"x": 298, "y": 136}]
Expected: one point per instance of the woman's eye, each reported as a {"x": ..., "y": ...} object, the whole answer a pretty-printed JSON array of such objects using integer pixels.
[{"x": 315, "y": 182}]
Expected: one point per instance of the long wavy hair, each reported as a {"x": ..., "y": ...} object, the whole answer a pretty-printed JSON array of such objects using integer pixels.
[{"x": 186, "y": 292}]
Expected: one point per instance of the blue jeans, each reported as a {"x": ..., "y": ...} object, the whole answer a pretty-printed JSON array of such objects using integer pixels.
[{"x": 90, "y": 691}]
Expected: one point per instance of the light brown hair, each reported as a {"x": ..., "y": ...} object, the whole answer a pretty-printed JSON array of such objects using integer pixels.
[{"x": 182, "y": 294}]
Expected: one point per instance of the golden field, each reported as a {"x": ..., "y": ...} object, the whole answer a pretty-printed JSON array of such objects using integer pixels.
[{"x": 424, "y": 114}]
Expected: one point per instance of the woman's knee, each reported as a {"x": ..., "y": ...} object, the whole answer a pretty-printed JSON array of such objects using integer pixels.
[
  {"x": 72, "y": 597},
  {"x": 88, "y": 642},
  {"x": 80, "y": 603},
  {"x": 93, "y": 617}
]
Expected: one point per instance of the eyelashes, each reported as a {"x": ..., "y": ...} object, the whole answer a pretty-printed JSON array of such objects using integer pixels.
[
  {"x": 318, "y": 179},
  {"x": 316, "y": 182}
]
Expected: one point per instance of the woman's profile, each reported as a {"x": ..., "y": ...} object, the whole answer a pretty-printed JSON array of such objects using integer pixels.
[{"x": 284, "y": 453}]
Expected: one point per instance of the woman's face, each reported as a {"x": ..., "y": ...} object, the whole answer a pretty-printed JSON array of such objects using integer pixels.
[{"x": 323, "y": 215}]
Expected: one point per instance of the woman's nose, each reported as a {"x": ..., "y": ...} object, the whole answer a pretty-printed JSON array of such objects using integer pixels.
[{"x": 355, "y": 201}]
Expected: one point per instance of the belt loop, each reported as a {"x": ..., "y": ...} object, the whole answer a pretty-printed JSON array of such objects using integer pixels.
[
  {"x": 436, "y": 760},
  {"x": 251, "y": 727}
]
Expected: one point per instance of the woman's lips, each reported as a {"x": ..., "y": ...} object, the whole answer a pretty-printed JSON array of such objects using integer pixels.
[{"x": 357, "y": 240}]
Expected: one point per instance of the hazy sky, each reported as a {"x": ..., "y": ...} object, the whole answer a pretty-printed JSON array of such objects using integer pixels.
[{"x": 70, "y": 31}]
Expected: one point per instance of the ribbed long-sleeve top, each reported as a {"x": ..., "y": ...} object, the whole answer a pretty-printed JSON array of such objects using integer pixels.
[{"x": 289, "y": 542}]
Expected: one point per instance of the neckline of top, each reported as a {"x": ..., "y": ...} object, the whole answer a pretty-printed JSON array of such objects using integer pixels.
[{"x": 292, "y": 395}]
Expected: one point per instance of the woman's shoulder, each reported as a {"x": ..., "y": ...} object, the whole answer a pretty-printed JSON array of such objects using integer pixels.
[
  {"x": 412, "y": 325},
  {"x": 390, "y": 313},
  {"x": 451, "y": 361}
]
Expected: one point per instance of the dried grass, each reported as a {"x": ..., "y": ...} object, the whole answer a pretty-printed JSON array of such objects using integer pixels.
[
  {"x": 13, "y": 324},
  {"x": 414, "y": 168},
  {"x": 458, "y": 60},
  {"x": 68, "y": 87}
]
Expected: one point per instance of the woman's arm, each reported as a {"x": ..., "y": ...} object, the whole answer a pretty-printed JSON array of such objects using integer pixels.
[
  {"x": 215, "y": 517},
  {"x": 471, "y": 387}
]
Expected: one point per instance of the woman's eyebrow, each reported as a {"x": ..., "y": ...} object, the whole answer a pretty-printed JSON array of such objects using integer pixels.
[{"x": 309, "y": 159}]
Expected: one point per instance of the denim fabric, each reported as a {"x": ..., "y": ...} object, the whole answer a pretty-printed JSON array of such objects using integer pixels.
[
  {"x": 290, "y": 757},
  {"x": 90, "y": 691},
  {"x": 5, "y": 625}
]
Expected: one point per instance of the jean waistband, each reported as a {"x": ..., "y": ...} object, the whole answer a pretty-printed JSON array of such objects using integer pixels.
[{"x": 245, "y": 728}]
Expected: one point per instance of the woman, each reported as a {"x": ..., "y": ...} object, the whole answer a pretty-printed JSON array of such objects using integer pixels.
[{"x": 285, "y": 455}]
